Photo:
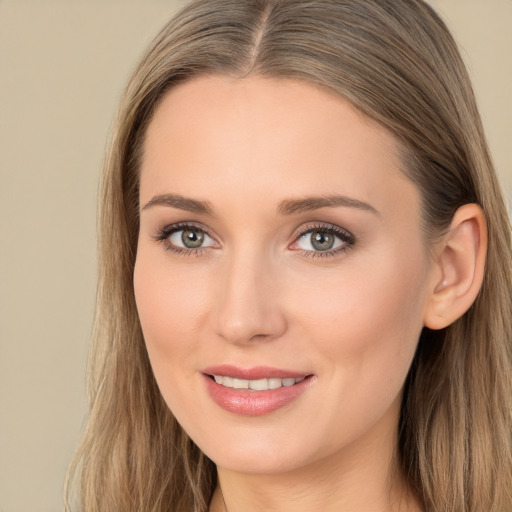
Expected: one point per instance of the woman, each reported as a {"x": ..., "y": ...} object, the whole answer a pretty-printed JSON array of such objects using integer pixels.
[{"x": 304, "y": 291}]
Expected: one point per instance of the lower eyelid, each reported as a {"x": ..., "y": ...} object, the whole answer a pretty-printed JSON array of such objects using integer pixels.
[
  {"x": 325, "y": 254},
  {"x": 165, "y": 233},
  {"x": 346, "y": 238},
  {"x": 206, "y": 235},
  {"x": 341, "y": 234}
]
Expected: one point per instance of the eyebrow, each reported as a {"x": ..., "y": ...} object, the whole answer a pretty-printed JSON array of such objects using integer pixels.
[
  {"x": 180, "y": 202},
  {"x": 286, "y": 207},
  {"x": 294, "y": 206}
]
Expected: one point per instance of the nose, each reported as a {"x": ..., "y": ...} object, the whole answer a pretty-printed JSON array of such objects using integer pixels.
[{"x": 247, "y": 305}]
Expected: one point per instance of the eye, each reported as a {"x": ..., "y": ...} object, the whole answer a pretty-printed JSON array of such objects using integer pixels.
[
  {"x": 323, "y": 239},
  {"x": 190, "y": 238},
  {"x": 185, "y": 238}
]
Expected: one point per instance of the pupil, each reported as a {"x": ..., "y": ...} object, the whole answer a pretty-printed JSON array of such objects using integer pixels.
[
  {"x": 192, "y": 238},
  {"x": 322, "y": 241}
]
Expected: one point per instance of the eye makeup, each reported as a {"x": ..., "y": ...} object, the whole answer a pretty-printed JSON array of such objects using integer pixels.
[
  {"x": 192, "y": 239},
  {"x": 191, "y": 233},
  {"x": 319, "y": 234}
]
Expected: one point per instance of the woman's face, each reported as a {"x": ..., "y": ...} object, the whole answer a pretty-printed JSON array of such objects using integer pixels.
[{"x": 280, "y": 249}]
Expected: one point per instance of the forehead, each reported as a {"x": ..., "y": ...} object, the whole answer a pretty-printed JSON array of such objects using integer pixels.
[{"x": 216, "y": 135}]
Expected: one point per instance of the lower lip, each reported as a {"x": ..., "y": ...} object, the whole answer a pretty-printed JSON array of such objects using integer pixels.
[{"x": 254, "y": 403}]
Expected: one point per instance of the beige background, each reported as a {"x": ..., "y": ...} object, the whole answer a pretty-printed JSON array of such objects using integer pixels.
[{"x": 62, "y": 67}]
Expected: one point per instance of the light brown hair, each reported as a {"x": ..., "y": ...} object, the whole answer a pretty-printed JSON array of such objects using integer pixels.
[{"x": 397, "y": 63}]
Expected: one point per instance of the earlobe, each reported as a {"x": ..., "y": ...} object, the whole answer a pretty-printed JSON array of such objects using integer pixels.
[{"x": 459, "y": 268}]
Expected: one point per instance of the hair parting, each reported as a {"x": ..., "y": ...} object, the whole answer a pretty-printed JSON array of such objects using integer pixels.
[{"x": 397, "y": 63}]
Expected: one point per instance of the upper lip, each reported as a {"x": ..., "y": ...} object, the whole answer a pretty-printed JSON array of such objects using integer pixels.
[{"x": 254, "y": 373}]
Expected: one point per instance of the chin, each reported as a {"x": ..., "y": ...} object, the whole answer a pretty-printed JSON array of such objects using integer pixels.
[
  {"x": 263, "y": 451},
  {"x": 257, "y": 463}
]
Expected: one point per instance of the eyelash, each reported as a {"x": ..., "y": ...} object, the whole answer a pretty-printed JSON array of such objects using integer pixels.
[
  {"x": 164, "y": 234},
  {"x": 345, "y": 236}
]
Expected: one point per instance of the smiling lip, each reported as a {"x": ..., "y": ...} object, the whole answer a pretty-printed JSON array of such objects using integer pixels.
[{"x": 248, "y": 402}]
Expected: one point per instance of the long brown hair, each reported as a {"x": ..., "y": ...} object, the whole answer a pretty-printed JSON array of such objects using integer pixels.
[{"x": 397, "y": 63}]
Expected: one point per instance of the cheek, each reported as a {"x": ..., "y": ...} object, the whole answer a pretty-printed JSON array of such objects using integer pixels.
[
  {"x": 356, "y": 324},
  {"x": 168, "y": 298},
  {"x": 169, "y": 304},
  {"x": 366, "y": 323}
]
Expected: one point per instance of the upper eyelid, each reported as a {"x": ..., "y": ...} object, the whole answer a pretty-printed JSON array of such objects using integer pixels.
[
  {"x": 300, "y": 231},
  {"x": 327, "y": 227},
  {"x": 318, "y": 224},
  {"x": 343, "y": 234},
  {"x": 164, "y": 233},
  {"x": 172, "y": 228}
]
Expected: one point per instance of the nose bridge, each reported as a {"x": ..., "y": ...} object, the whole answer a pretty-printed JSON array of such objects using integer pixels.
[{"x": 247, "y": 306}]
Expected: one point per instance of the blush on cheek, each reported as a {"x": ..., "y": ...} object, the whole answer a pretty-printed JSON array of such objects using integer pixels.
[
  {"x": 374, "y": 331},
  {"x": 161, "y": 297}
]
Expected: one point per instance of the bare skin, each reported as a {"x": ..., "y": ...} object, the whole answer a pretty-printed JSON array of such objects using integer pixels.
[{"x": 253, "y": 287}]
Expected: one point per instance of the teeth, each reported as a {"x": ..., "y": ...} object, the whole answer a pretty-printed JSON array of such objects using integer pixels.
[
  {"x": 274, "y": 383},
  {"x": 240, "y": 383},
  {"x": 256, "y": 385}
]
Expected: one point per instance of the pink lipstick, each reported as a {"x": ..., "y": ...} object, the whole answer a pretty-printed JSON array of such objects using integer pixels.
[{"x": 254, "y": 391}]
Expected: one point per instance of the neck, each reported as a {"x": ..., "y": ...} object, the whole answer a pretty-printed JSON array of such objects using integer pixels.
[
  {"x": 331, "y": 492},
  {"x": 297, "y": 494},
  {"x": 362, "y": 477}
]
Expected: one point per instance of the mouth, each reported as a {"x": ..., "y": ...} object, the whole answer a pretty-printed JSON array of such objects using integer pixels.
[
  {"x": 256, "y": 391},
  {"x": 256, "y": 384}
]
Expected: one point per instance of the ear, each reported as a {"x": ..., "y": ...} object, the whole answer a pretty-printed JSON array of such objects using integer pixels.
[{"x": 458, "y": 268}]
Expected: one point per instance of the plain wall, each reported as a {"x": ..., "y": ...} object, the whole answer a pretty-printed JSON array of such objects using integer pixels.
[{"x": 63, "y": 65}]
